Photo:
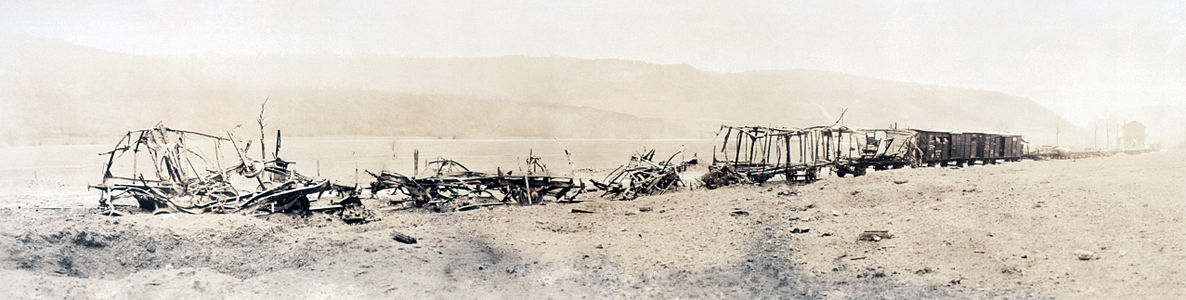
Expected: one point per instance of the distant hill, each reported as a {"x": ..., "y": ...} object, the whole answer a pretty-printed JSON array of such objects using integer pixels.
[
  {"x": 57, "y": 89},
  {"x": 782, "y": 97},
  {"x": 52, "y": 91}
]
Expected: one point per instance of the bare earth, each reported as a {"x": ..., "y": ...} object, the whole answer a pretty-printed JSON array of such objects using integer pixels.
[{"x": 1006, "y": 230}]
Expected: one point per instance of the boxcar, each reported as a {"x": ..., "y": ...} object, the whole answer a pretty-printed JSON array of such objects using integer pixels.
[
  {"x": 992, "y": 147},
  {"x": 1012, "y": 147},
  {"x": 965, "y": 146},
  {"x": 1001, "y": 146},
  {"x": 960, "y": 148},
  {"x": 935, "y": 146}
]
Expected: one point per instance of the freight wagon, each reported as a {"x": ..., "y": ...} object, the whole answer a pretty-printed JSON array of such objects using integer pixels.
[
  {"x": 940, "y": 148},
  {"x": 800, "y": 154},
  {"x": 916, "y": 147}
]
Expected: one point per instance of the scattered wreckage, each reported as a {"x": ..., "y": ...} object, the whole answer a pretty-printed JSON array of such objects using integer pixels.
[
  {"x": 758, "y": 153},
  {"x": 454, "y": 187},
  {"x": 642, "y": 176},
  {"x": 169, "y": 170}
]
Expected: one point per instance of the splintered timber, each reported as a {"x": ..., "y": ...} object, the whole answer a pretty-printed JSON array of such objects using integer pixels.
[{"x": 166, "y": 170}]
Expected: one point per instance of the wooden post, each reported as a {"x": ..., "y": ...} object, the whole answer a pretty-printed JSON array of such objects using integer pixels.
[
  {"x": 263, "y": 151},
  {"x": 527, "y": 189},
  {"x": 814, "y": 147},
  {"x": 787, "y": 141},
  {"x": 752, "y": 142},
  {"x": 827, "y": 139},
  {"x": 802, "y": 149},
  {"x": 767, "y": 148},
  {"x": 415, "y": 163},
  {"x": 276, "y": 155},
  {"x": 737, "y": 153},
  {"x": 839, "y": 137}
]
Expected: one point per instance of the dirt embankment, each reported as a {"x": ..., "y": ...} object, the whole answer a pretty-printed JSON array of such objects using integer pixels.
[{"x": 985, "y": 231}]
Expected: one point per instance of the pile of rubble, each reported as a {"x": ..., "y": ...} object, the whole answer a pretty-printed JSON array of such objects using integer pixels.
[
  {"x": 454, "y": 187},
  {"x": 720, "y": 175},
  {"x": 168, "y": 170},
  {"x": 642, "y": 176}
]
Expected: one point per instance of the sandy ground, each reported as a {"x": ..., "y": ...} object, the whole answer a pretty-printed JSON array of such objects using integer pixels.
[{"x": 996, "y": 231}]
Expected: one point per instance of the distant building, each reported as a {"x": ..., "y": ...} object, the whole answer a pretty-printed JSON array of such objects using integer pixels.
[{"x": 1134, "y": 135}]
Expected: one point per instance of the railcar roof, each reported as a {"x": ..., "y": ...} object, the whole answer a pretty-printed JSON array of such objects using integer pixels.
[{"x": 962, "y": 132}]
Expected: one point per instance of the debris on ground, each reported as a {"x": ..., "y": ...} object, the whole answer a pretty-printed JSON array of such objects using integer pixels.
[
  {"x": 168, "y": 170},
  {"x": 403, "y": 238},
  {"x": 722, "y": 175},
  {"x": 760, "y": 153},
  {"x": 1085, "y": 255},
  {"x": 454, "y": 187},
  {"x": 788, "y": 193},
  {"x": 642, "y": 176},
  {"x": 800, "y": 229},
  {"x": 874, "y": 235}
]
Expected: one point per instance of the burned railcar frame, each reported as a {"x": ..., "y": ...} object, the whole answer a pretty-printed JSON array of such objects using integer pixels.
[
  {"x": 183, "y": 180},
  {"x": 760, "y": 153},
  {"x": 815, "y": 147}
]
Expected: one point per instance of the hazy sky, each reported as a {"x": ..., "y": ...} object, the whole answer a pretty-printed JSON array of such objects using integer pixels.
[{"x": 1083, "y": 59}]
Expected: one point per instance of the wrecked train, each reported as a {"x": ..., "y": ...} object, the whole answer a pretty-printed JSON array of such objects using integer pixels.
[{"x": 758, "y": 153}]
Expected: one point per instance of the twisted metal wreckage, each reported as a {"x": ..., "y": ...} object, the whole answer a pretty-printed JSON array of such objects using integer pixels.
[
  {"x": 182, "y": 177},
  {"x": 642, "y": 176},
  {"x": 453, "y": 186},
  {"x": 757, "y": 153},
  {"x": 186, "y": 173}
]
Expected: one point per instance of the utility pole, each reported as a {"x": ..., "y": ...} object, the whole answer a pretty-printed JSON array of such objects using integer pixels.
[
  {"x": 1108, "y": 133},
  {"x": 1120, "y": 135},
  {"x": 1057, "y": 133}
]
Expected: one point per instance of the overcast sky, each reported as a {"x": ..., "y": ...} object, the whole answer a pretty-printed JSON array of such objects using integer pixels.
[{"x": 1082, "y": 59}]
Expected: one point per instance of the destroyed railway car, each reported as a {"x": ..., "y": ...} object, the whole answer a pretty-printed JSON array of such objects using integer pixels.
[
  {"x": 455, "y": 187},
  {"x": 756, "y": 153},
  {"x": 915, "y": 147},
  {"x": 760, "y": 153},
  {"x": 643, "y": 176},
  {"x": 879, "y": 149},
  {"x": 935, "y": 146},
  {"x": 170, "y": 170}
]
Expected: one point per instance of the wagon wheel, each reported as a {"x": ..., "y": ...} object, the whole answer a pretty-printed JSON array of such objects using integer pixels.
[
  {"x": 761, "y": 178},
  {"x": 419, "y": 197},
  {"x": 859, "y": 171},
  {"x": 639, "y": 184},
  {"x": 811, "y": 174},
  {"x": 518, "y": 194},
  {"x": 481, "y": 193}
]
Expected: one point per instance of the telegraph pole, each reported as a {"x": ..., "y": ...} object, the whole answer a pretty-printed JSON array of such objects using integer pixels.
[
  {"x": 1057, "y": 133},
  {"x": 1108, "y": 133}
]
